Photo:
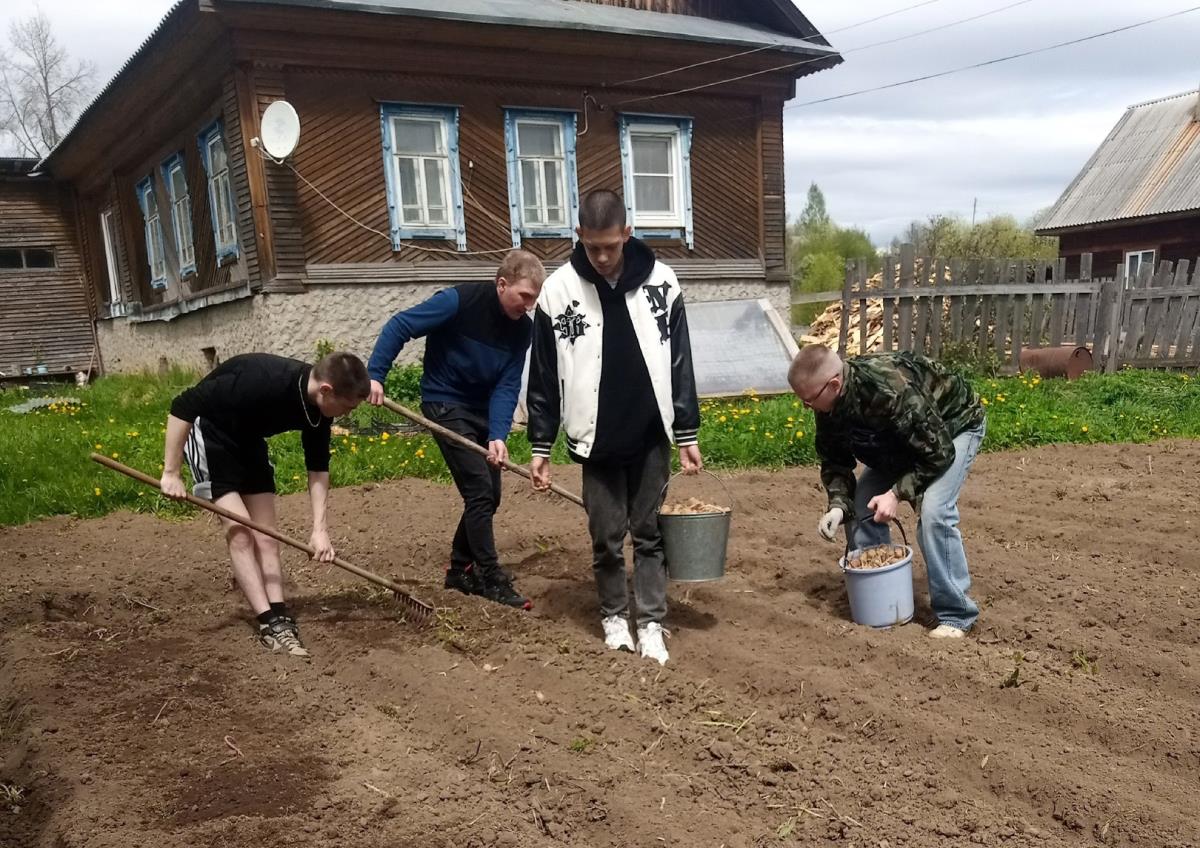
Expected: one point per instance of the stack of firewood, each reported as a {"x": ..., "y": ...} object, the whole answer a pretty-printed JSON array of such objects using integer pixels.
[{"x": 826, "y": 327}]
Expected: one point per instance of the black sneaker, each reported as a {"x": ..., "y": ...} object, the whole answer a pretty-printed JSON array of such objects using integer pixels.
[
  {"x": 282, "y": 634},
  {"x": 462, "y": 578},
  {"x": 499, "y": 588}
]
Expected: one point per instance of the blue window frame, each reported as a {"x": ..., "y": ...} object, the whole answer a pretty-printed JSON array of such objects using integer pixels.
[
  {"x": 152, "y": 226},
  {"x": 221, "y": 206},
  {"x": 175, "y": 179},
  {"x": 424, "y": 187},
  {"x": 543, "y": 187},
  {"x": 656, "y": 162}
]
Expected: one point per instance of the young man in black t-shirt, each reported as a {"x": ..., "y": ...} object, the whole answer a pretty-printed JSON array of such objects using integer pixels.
[{"x": 220, "y": 426}]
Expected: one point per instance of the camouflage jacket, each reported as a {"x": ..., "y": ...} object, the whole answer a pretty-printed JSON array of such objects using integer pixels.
[{"x": 899, "y": 414}]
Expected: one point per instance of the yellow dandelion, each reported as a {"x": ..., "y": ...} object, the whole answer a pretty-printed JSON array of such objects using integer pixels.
[
  {"x": 97, "y": 491},
  {"x": 98, "y": 447},
  {"x": 354, "y": 449},
  {"x": 722, "y": 420},
  {"x": 384, "y": 436},
  {"x": 984, "y": 401},
  {"x": 1084, "y": 428},
  {"x": 116, "y": 456},
  {"x": 295, "y": 476},
  {"x": 799, "y": 434},
  {"x": 420, "y": 453}
]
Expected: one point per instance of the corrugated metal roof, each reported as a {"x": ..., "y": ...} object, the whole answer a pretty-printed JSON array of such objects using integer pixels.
[
  {"x": 1148, "y": 165},
  {"x": 562, "y": 14}
]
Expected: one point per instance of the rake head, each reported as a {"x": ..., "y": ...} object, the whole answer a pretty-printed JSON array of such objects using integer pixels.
[{"x": 419, "y": 611}]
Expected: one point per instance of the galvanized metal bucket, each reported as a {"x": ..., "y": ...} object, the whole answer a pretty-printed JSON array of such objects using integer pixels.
[{"x": 695, "y": 545}]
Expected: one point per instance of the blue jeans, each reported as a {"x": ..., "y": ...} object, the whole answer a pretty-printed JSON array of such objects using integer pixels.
[{"x": 937, "y": 531}]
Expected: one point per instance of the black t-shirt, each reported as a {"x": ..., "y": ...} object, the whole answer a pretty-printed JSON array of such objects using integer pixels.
[{"x": 256, "y": 395}]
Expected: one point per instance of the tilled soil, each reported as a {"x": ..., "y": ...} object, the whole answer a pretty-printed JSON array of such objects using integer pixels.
[{"x": 135, "y": 708}]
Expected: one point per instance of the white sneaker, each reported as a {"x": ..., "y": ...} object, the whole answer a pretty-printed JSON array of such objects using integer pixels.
[
  {"x": 616, "y": 633},
  {"x": 650, "y": 642},
  {"x": 945, "y": 631}
]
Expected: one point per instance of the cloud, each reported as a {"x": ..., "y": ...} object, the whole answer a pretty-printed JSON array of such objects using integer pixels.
[{"x": 1010, "y": 136}]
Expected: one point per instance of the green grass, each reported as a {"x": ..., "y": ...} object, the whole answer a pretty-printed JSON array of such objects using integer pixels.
[{"x": 44, "y": 467}]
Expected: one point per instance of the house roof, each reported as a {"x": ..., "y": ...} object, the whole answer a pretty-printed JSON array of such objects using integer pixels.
[
  {"x": 595, "y": 17},
  {"x": 1148, "y": 166},
  {"x": 801, "y": 38},
  {"x": 18, "y": 166},
  {"x": 18, "y": 170}
]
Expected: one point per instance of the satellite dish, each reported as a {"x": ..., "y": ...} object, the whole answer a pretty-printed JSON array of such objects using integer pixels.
[{"x": 280, "y": 129}]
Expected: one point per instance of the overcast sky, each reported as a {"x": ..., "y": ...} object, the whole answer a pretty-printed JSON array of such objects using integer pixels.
[{"x": 1010, "y": 136}]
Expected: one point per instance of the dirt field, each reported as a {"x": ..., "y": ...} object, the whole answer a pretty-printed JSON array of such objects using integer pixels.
[{"x": 777, "y": 722}]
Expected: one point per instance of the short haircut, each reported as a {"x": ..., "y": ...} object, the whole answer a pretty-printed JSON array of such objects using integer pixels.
[
  {"x": 521, "y": 265},
  {"x": 601, "y": 210},
  {"x": 813, "y": 362},
  {"x": 346, "y": 373}
]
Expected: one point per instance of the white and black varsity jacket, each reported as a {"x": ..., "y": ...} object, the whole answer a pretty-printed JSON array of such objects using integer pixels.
[{"x": 612, "y": 365}]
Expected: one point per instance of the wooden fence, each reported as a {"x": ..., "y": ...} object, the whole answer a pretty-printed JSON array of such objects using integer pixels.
[{"x": 1001, "y": 306}]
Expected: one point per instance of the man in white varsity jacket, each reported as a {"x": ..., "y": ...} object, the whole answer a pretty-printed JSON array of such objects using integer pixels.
[{"x": 611, "y": 362}]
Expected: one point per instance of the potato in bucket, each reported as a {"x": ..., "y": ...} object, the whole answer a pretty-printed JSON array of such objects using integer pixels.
[{"x": 695, "y": 537}]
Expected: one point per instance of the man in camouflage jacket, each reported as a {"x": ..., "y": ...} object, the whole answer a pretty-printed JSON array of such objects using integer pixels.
[{"x": 916, "y": 428}]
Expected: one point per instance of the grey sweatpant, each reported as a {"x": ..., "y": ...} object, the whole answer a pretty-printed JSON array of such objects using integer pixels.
[{"x": 620, "y": 499}]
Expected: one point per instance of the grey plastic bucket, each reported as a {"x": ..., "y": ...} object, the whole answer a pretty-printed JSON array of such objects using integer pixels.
[
  {"x": 695, "y": 545},
  {"x": 880, "y": 597}
]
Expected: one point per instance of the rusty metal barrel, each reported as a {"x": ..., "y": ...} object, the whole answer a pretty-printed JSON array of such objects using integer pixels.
[{"x": 1068, "y": 361}]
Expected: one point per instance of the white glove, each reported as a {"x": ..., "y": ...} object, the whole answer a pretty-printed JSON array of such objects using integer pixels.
[{"x": 830, "y": 523}]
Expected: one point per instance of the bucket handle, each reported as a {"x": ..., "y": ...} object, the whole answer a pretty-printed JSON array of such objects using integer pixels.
[
  {"x": 850, "y": 536},
  {"x": 662, "y": 496}
]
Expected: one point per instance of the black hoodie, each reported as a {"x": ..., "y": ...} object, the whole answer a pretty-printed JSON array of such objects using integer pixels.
[{"x": 627, "y": 418}]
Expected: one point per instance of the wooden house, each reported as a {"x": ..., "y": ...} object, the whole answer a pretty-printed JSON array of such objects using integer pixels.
[
  {"x": 434, "y": 137},
  {"x": 1137, "y": 200},
  {"x": 45, "y": 313}
]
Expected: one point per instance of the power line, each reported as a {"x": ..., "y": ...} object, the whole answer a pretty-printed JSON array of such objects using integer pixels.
[
  {"x": 689, "y": 67},
  {"x": 791, "y": 65},
  {"x": 940, "y": 27},
  {"x": 760, "y": 49},
  {"x": 996, "y": 61},
  {"x": 881, "y": 17}
]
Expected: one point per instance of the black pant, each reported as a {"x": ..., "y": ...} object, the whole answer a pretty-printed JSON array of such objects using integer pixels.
[
  {"x": 477, "y": 482},
  {"x": 620, "y": 498}
]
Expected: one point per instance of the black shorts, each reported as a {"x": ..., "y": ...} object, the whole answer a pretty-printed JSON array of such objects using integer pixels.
[{"x": 221, "y": 464}]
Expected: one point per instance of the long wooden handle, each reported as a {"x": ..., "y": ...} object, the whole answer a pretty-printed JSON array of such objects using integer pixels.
[
  {"x": 462, "y": 441},
  {"x": 261, "y": 528}
]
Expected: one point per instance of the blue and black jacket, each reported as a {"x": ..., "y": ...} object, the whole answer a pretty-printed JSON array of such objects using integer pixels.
[{"x": 474, "y": 353}]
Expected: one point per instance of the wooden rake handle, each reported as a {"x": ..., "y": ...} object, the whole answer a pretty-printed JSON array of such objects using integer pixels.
[
  {"x": 462, "y": 441},
  {"x": 418, "y": 606}
]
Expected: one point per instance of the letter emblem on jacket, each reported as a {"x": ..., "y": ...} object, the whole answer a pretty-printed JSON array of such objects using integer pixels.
[
  {"x": 571, "y": 324},
  {"x": 657, "y": 297}
]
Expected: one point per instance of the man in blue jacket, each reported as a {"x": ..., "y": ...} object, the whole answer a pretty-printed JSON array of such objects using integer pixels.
[{"x": 477, "y": 338}]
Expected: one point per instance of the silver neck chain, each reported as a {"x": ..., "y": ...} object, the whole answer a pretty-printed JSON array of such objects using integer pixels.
[{"x": 304, "y": 404}]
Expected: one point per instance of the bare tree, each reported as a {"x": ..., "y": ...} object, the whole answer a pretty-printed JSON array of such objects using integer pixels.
[{"x": 42, "y": 89}]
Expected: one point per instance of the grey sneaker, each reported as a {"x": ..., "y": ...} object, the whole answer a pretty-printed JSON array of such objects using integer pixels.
[{"x": 283, "y": 634}]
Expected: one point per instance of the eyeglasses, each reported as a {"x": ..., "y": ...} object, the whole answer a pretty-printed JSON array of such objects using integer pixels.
[{"x": 809, "y": 401}]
